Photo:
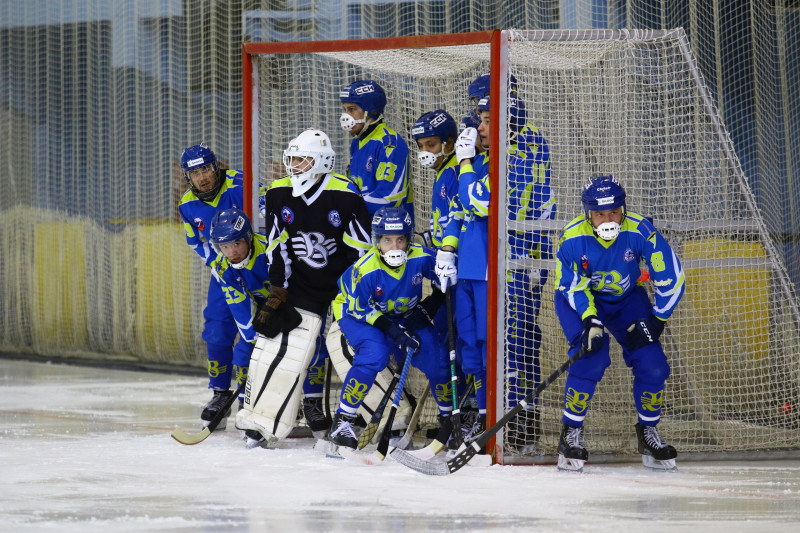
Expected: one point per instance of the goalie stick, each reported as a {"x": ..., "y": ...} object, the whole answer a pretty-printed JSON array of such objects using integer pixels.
[
  {"x": 463, "y": 457},
  {"x": 194, "y": 438},
  {"x": 383, "y": 445}
]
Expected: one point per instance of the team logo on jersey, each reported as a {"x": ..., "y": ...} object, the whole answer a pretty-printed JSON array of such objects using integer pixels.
[
  {"x": 378, "y": 291},
  {"x": 584, "y": 262},
  {"x": 369, "y": 163},
  {"x": 313, "y": 248},
  {"x": 443, "y": 191},
  {"x": 199, "y": 223},
  {"x": 417, "y": 279},
  {"x": 287, "y": 215},
  {"x": 628, "y": 255},
  {"x": 334, "y": 218}
]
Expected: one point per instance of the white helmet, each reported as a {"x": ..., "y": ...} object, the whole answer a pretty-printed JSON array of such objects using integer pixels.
[{"x": 314, "y": 147}]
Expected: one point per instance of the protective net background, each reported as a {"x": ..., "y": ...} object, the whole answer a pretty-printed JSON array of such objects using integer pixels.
[{"x": 98, "y": 99}]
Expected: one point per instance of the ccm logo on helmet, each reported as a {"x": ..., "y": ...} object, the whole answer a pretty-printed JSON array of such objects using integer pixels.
[
  {"x": 365, "y": 89},
  {"x": 239, "y": 224},
  {"x": 438, "y": 119}
]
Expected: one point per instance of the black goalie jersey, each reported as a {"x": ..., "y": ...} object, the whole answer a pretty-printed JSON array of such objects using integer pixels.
[{"x": 315, "y": 237}]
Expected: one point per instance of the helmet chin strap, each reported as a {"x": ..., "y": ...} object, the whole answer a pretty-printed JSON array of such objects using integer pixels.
[
  {"x": 246, "y": 260},
  {"x": 607, "y": 231}
]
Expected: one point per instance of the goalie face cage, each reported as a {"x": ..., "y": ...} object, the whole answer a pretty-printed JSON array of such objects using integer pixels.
[{"x": 628, "y": 103}]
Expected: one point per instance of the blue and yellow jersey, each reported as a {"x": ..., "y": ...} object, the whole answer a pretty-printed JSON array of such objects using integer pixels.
[
  {"x": 197, "y": 214},
  {"x": 590, "y": 268},
  {"x": 370, "y": 288},
  {"x": 245, "y": 287},
  {"x": 529, "y": 193},
  {"x": 379, "y": 169},
  {"x": 445, "y": 189}
]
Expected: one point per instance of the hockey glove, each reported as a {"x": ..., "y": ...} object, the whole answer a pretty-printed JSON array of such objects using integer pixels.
[
  {"x": 644, "y": 332},
  {"x": 445, "y": 269},
  {"x": 404, "y": 339},
  {"x": 290, "y": 318},
  {"x": 592, "y": 338},
  {"x": 465, "y": 145},
  {"x": 421, "y": 316},
  {"x": 267, "y": 320}
]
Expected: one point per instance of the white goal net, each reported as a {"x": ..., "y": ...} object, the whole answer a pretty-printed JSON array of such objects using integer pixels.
[{"x": 628, "y": 103}]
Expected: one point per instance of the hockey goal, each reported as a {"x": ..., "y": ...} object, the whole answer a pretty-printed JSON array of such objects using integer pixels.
[{"x": 631, "y": 103}]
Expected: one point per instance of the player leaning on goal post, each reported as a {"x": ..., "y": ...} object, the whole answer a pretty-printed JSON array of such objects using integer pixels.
[
  {"x": 212, "y": 189},
  {"x": 318, "y": 226},
  {"x": 598, "y": 258}
]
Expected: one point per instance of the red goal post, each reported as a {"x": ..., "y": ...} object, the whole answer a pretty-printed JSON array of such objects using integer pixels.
[{"x": 497, "y": 43}]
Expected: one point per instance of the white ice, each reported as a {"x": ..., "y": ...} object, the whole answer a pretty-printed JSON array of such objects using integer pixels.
[{"x": 87, "y": 449}]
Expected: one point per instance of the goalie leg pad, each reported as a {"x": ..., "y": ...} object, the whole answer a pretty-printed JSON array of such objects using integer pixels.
[
  {"x": 341, "y": 355},
  {"x": 275, "y": 379}
]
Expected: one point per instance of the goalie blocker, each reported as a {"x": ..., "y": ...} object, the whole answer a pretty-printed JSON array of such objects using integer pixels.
[{"x": 274, "y": 383}]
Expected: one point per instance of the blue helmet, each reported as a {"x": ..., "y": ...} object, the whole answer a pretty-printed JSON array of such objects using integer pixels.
[
  {"x": 367, "y": 94},
  {"x": 392, "y": 221},
  {"x": 230, "y": 225},
  {"x": 196, "y": 157},
  {"x": 602, "y": 193},
  {"x": 480, "y": 87},
  {"x": 516, "y": 110},
  {"x": 437, "y": 123},
  {"x": 473, "y": 120}
]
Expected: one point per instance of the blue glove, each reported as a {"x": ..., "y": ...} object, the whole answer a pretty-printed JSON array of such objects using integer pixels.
[
  {"x": 592, "y": 338},
  {"x": 644, "y": 332},
  {"x": 404, "y": 339}
]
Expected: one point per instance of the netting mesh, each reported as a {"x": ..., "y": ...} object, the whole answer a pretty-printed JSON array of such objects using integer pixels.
[
  {"x": 631, "y": 104},
  {"x": 97, "y": 100}
]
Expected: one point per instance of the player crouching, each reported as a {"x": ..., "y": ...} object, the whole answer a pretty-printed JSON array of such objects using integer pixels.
[
  {"x": 380, "y": 312},
  {"x": 598, "y": 260}
]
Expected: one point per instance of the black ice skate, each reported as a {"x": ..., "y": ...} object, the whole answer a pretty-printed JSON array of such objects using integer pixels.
[
  {"x": 216, "y": 405},
  {"x": 571, "y": 449},
  {"x": 315, "y": 417},
  {"x": 343, "y": 433},
  {"x": 254, "y": 439},
  {"x": 656, "y": 453},
  {"x": 524, "y": 430}
]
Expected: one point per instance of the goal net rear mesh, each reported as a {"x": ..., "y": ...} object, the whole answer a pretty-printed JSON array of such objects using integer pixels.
[{"x": 628, "y": 103}]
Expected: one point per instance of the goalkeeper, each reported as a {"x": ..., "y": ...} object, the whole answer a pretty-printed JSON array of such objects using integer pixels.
[{"x": 598, "y": 259}]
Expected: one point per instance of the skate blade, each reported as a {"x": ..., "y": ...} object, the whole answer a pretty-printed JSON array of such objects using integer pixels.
[
  {"x": 570, "y": 465},
  {"x": 334, "y": 451},
  {"x": 666, "y": 465}
]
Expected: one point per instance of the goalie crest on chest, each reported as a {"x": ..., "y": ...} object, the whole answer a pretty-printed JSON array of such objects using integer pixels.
[{"x": 313, "y": 248}]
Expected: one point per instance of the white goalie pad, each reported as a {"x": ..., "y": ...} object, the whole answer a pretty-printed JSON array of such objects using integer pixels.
[
  {"x": 341, "y": 355},
  {"x": 275, "y": 379}
]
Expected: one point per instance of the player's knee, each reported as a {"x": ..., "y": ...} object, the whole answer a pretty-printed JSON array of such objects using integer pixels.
[
  {"x": 650, "y": 364},
  {"x": 371, "y": 357}
]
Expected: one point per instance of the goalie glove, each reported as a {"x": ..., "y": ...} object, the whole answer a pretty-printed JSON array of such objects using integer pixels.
[
  {"x": 268, "y": 320},
  {"x": 465, "y": 145},
  {"x": 592, "y": 337},
  {"x": 445, "y": 269},
  {"x": 644, "y": 332}
]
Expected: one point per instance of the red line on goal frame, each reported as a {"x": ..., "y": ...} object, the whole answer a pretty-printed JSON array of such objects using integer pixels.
[{"x": 498, "y": 43}]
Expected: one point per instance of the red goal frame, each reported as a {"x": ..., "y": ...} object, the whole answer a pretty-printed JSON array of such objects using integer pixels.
[{"x": 498, "y": 45}]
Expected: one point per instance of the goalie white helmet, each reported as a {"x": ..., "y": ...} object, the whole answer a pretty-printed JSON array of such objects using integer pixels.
[{"x": 308, "y": 157}]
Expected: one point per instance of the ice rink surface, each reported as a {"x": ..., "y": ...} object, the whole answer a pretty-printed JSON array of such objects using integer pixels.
[{"x": 87, "y": 449}]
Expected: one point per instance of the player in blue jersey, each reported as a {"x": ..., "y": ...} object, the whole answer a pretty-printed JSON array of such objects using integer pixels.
[
  {"x": 529, "y": 198},
  {"x": 378, "y": 295},
  {"x": 378, "y": 155},
  {"x": 212, "y": 189},
  {"x": 597, "y": 293},
  {"x": 242, "y": 271}
]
